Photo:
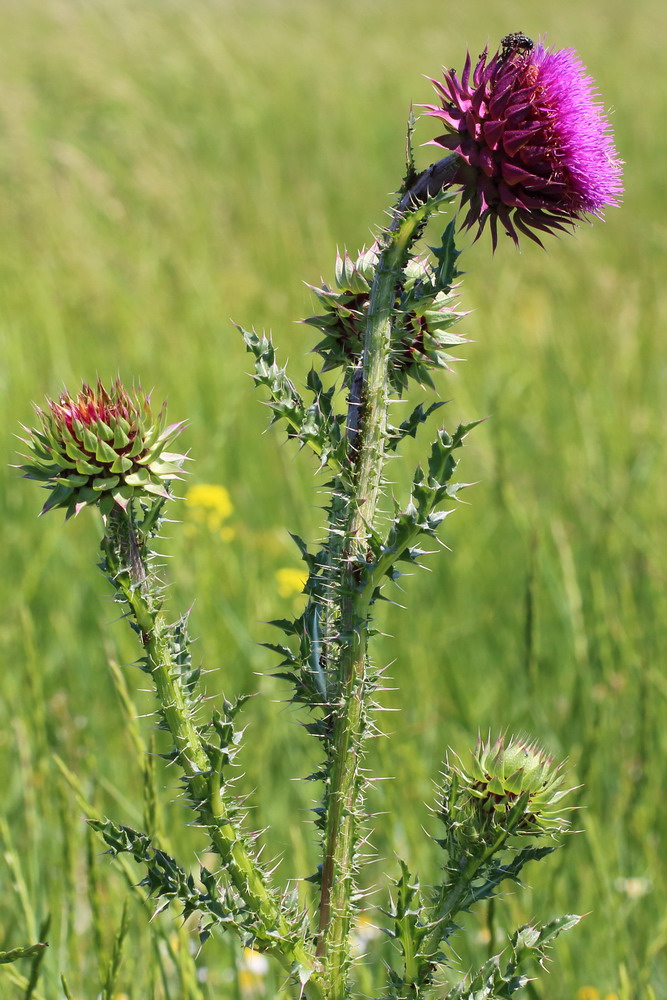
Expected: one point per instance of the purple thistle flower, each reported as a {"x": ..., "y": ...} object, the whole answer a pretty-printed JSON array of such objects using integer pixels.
[{"x": 536, "y": 146}]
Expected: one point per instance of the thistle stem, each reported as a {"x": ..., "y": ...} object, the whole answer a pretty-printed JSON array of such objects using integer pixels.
[
  {"x": 418, "y": 974},
  {"x": 202, "y": 778},
  {"x": 356, "y": 587}
]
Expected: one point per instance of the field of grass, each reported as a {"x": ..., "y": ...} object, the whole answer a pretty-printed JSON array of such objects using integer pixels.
[{"x": 166, "y": 166}]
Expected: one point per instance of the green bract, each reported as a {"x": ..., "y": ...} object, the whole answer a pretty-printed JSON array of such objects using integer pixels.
[{"x": 101, "y": 447}]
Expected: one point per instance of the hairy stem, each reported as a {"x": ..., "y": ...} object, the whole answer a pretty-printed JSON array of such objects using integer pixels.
[{"x": 369, "y": 420}]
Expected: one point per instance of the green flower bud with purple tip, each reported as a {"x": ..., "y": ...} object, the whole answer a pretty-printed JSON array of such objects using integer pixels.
[
  {"x": 346, "y": 306},
  {"x": 425, "y": 312},
  {"x": 102, "y": 446},
  {"x": 518, "y": 774},
  {"x": 515, "y": 787}
]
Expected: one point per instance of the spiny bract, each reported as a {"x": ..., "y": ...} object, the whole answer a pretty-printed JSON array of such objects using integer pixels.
[{"x": 425, "y": 312}]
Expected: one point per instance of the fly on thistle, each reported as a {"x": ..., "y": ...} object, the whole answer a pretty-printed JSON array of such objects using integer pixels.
[
  {"x": 515, "y": 42},
  {"x": 535, "y": 144}
]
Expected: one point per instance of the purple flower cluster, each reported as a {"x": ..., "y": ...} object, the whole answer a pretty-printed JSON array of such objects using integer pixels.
[{"x": 536, "y": 147}]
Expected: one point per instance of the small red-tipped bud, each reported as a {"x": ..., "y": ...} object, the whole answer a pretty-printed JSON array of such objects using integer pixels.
[{"x": 101, "y": 447}]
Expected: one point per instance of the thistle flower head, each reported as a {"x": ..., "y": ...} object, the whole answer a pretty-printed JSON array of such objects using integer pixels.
[
  {"x": 425, "y": 312},
  {"x": 517, "y": 777},
  {"x": 513, "y": 786},
  {"x": 536, "y": 146},
  {"x": 101, "y": 446}
]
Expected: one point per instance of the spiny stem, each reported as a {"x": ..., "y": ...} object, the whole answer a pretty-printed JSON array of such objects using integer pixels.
[
  {"x": 418, "y": 974},
  {"x": 356, "y": 592},
  {"x": 203, "y": 781}
]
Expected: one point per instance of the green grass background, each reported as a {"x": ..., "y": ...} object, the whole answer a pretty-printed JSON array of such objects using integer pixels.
[{"x": 167, "y": 166}]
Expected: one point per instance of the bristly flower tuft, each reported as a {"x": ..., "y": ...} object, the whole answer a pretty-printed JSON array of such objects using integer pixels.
[
  {"x": 102, "y": 446},
  {"x": 536, "y": 146}
]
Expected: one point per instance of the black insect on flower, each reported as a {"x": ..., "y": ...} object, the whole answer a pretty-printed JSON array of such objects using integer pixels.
[{"x": 536, "y": 147}]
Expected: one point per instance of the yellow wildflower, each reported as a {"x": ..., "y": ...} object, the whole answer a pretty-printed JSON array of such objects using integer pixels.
[
  {"x": 290, "y": 581},
  {"x": 210, "y": 496},
  {"x": 253, "y": 968},
  {"x": 588, "y": 993},
  {"x": 364, "y": 932},
  {"x": 210, "y": 504}
]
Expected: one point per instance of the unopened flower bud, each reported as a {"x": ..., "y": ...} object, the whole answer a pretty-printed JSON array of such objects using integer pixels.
[
  {"x": 515, "y": 787},
  {"x": 101, "y": 447}
]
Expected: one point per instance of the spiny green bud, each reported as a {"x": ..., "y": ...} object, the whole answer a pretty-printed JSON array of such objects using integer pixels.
[
  {"x": 516, "y": 787},
  {"x": 101, "y": 447},
  {"x": 421, "y": 339},
  {"x": 424, "y": 312}
]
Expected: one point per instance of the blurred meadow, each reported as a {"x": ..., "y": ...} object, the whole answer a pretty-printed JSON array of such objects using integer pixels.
[{"x": 165, "y": 167}]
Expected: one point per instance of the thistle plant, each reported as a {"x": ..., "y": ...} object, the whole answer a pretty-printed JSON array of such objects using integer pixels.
[{"x": 528, "y": 148}]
